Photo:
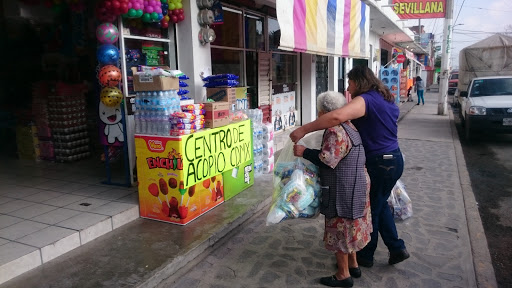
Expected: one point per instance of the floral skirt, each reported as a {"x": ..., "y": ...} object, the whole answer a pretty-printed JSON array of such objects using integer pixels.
[{"x": 349, "y": 235}]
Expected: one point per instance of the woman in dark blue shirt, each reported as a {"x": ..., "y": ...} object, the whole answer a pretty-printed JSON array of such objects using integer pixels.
[{"x": 375, "y": 115}]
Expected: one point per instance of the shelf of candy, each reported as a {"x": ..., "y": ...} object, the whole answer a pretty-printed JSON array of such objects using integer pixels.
[
  {"x": 188, "y": 121},
  {"x": 153, "y": 110}
]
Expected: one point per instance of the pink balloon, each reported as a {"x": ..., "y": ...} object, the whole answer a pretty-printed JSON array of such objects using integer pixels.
[
  {"x": 158, "y": 9},
  {"x": 149, "y": 9}
]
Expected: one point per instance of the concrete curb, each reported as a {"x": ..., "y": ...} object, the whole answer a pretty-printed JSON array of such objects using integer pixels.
[
  {"x": 405, "y": 108},
  {"x": 484, "y": 271}
]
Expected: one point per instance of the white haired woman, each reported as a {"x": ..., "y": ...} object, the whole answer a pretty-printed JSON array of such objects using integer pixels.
[{"x": 345, "y": 191}]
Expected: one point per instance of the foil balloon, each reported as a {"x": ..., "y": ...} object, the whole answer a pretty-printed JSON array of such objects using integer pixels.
[
  {"x": 107, "y": 33},
  {"x": 111, "y": 96},
  {"x": 107, "y": 54},
  {"x": 109, "y": 76}
]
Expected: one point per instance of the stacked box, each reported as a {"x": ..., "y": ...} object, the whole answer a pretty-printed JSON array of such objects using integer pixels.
[{"x": 216, "y": 114}]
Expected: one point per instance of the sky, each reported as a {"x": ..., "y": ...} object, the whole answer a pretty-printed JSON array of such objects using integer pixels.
[{"x": 480, "y": 19}]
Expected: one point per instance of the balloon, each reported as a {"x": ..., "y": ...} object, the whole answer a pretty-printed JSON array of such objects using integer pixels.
[
  {"x": 132, "y": 13},
  {"x": 111, "y": 96},
  {"x": 164, "y": 24},
  {"x": 174, "y": 19},
  {"x": 181, "y": 17},
  {"x": 167, "y": 18},
  {"x": 154, "y": 16},
  {"x": 110, "y": 76},
  {"x": 172, "y": 6},
  {"x": 107, "y": 33},
  {"x": 146, "y": 17},
  {"x": 139, "y": 13},
  {"x": 107, "y": 54},
  {"x": 179, "y": 5}
]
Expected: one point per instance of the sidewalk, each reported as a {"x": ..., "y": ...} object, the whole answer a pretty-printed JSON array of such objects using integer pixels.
[{"x": 224, "y": 249}]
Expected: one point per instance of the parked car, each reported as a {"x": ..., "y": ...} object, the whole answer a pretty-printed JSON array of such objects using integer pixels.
[
  {"x": 453, "y": 82},
  {"x": 487, "y": 105}
]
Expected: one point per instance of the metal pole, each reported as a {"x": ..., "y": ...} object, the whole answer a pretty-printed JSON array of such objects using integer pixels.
[{"x": 445, "y": 59}]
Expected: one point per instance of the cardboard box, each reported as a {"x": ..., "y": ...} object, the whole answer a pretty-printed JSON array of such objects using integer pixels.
[
  {"x": 223, "y": 94},
  {"x": 154, "y": 83},
  {"x": 217, "y": 114}
]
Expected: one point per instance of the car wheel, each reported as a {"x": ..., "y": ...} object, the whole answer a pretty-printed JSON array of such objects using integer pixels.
[{"x": 467, "y": 129}]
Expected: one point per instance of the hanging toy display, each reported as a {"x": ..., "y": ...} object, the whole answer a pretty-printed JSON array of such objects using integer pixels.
[
  {"x": 107, "y": 54},
  {"x": 107, "y": 33},
  {"x": 109, "y": 76},
  {"x": 111, "y": 96},
  {"x": 152, "y": 11},
  {"x": 176, "y": 13}
]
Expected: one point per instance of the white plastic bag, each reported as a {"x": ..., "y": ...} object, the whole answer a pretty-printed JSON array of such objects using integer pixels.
[
  {"x": 399, "y": 202},
  {"x": 296, "y": 188}
]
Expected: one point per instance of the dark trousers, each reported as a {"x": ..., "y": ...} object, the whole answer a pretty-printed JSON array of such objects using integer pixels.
[{"x": 383, "y": 173}]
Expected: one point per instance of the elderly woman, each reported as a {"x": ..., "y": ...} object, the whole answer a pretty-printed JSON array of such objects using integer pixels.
[{"x": 345, "y": 191}]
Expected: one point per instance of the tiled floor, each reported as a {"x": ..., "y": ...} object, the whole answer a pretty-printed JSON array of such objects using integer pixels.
[{"x": 48, "y": 209}]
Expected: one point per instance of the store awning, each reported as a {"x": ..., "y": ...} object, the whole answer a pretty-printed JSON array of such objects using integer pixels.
[{"x": 325, "y": 27}]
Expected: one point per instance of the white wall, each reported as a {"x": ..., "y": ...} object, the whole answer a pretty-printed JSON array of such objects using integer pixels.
[
  {"x": 375, "y": 44},
  {"x": 308, "y": 91},
  {"x": 193, "y": 58},
  {"x": 333, "y": 73}
]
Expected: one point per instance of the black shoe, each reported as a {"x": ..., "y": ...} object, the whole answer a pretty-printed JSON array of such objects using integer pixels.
[
  {"x": 355, "y": 272},
  {"x": 332, "y": 281},
  {"x": 398, "y": 256},
  {"x": 363, "y": 262},
  {"x": 418, "y": 104}
]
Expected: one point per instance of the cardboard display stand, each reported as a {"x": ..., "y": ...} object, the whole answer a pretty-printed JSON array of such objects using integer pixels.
[{"x": 181, "y": 178}]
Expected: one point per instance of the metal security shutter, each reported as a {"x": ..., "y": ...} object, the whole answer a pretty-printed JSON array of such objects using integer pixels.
[{"x": 264, "y": 78}]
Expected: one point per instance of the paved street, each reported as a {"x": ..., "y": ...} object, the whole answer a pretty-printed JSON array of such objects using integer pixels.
[{"x": 291, "y": 254}]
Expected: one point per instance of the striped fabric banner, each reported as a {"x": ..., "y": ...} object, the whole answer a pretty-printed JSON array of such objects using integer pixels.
[{"x": 325, "y": 27}]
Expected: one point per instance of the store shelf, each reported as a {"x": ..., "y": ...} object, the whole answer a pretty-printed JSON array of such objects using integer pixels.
[{"x": 147, "y": 38}]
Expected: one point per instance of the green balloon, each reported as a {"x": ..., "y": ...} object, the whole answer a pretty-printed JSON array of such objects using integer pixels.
[
  {"x": 146, "y": 17},
  {"x": 179, "y": 5},
  {"x": 163, "y": 1},
  {"x": 154, "y": 16},
  {"x": 132, "y": 12},
  {"x": 172, "y": 6},
  {"x": 139, "y": 13}
]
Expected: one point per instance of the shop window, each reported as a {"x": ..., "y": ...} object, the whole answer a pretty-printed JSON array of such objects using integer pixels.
[
  {"x": 227, "y": 61},
  {"x": 284, "y": 68},
  {"x": 254, "y": 34},
  {"x": 229, "y": 34},
  {"x": 360, "y": 62},
  {"x": 322, "y": 74},
  {"x": 274, "y": 34}
]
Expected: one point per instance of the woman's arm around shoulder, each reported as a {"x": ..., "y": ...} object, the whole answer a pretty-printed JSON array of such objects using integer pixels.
[{"x": 353, "y": 110}]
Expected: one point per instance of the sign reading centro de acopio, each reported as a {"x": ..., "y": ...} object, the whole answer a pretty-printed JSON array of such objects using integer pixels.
[{"x": 419, "y": 9}]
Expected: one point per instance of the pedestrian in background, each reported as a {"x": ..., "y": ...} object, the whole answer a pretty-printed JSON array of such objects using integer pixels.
[
  {"x": 375, "y": 115},
  {"x": 420, "y": 87},
  {"x": 345, "y": 191}
]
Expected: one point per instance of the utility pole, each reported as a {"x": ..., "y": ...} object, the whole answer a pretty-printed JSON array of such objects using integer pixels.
[{"x": 445, "y": 59}]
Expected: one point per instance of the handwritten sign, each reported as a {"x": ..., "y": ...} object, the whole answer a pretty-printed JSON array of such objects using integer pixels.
[{"x": 195, "y": 157}]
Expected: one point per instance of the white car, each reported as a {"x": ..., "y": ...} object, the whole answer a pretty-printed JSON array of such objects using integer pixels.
[{"x": 487, "y": 105}]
